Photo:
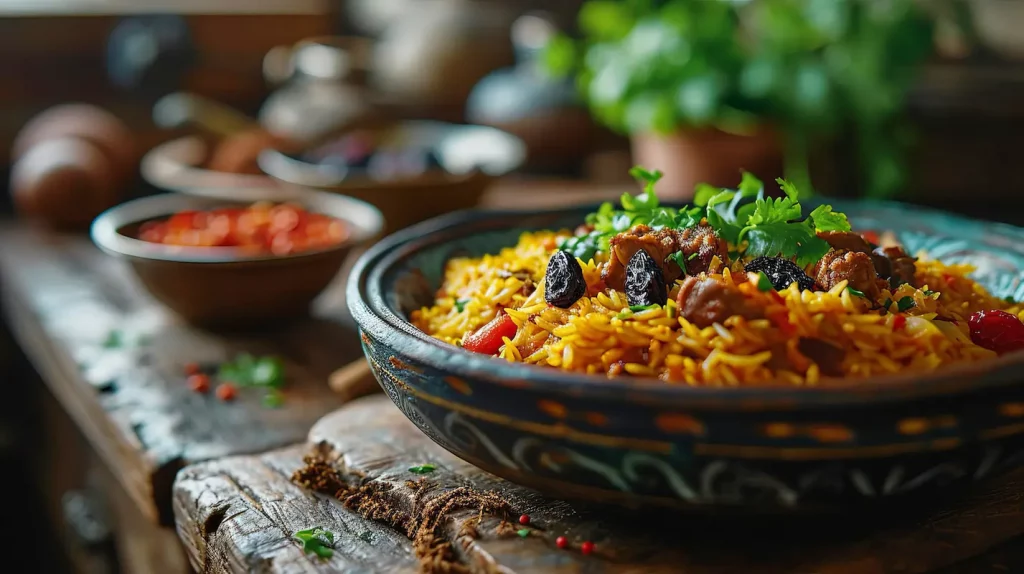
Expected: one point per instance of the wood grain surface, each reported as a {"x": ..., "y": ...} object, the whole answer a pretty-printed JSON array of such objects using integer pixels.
[
  {"x": 239, "y": 513},
  {"x": 64, "y": 299}
]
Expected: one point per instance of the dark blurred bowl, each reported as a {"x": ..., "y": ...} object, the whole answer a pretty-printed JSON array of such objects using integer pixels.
[
  {"x": 470, "y": 157},
  {"x": 222, "y": 286}
]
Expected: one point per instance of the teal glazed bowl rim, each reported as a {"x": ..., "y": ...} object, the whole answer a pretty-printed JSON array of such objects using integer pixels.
[{"x": 369, "y": 304}]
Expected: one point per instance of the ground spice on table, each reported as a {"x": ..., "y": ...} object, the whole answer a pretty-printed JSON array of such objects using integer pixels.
[{"x": 422, "y": 525}]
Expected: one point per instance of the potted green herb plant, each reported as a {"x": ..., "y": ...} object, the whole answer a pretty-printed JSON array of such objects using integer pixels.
[{"x": 705, "y": 88}]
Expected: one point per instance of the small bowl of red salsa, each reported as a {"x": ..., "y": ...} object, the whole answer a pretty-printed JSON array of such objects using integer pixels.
[{"x": 235, "y": 264}]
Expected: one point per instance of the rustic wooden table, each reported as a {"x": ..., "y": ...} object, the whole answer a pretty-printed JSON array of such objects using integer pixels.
[
  {"x": 238, "y": 514},
  {"x": 120, "y": 419},
  {"x": 113, "y": 359}
]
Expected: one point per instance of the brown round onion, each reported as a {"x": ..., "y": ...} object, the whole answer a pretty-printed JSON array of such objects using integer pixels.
[
  {"x": 64, "y": 182},
  {"x": 87, "y": 122}
]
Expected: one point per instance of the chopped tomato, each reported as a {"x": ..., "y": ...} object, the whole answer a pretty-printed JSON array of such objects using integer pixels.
[
  {"x": 781, "y": 320},
  {"x": 898, "y": 322},
  {"x": 488, "y": 339}
]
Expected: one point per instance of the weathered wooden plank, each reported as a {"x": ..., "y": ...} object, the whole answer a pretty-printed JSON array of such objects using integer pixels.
[
  {"x": 64, "y": 298},
  {"x": 370, "y": 438},
  {"x": 461, "y": 519},
  {"x": 238, "y": 515}
]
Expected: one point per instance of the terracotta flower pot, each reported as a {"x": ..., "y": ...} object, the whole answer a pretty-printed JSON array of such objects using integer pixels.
[{"x": 710, "y": 156}]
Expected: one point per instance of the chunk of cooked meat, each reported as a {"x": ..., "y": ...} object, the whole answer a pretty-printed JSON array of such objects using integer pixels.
[
  {"x": 902, "y": 268},
  {"x": 845, "y": 240},
  {"x": 658, "y": 244},
  {"x": 854, "y": 267},
  {"x": 704, "y": 301},
  {"x": 829, "y": 357},
  {"x": 854, "y": 242},
  {"x": 700, "y": 245}
]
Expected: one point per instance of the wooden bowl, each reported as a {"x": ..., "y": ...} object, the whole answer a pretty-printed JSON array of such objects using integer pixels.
[
  {"x": 639, "y": 441},
  {"x": 222, "y": 287},
  {"x": 471, "y": 158}
]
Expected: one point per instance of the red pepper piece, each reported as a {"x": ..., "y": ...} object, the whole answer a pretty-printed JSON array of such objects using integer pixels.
[
  {"x": 487, "y": 339},
  {"x": 898, "y": 322},
  {"x": 997, "y": 331}
]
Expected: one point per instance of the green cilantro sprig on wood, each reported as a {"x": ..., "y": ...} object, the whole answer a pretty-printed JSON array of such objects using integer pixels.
[{"x": 319, "y": 541}]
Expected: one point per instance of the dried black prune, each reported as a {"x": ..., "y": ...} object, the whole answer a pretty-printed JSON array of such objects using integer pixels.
[
  {"x": 781, "y": 272},
  {"x": 563, "y": 281},
  {"x": 645, "y": 282}
]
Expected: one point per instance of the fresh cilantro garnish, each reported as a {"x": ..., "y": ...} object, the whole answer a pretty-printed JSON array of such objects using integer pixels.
[
  {"x": 827, "y": 220},
  {"x": 638, "y": 308},
  {"x": 273, "y": 399},
  {"x": 423, "y": 469},
  {"x": 114, "y": 340},
  {"x": 679, "y": 260},
  {"x": 905, "y": 304},
  {"x": 636, "y": 209},
  {"x": 460, "y": 304},
  {"x": 763, "y": 282},
  {"x": 319, "y": 541},
  {"x": 774, "y": 229},
  {"x": 247, "y": 370},
  {"x": 856, "y": 293},
  {"x": 751, "y": 223}
]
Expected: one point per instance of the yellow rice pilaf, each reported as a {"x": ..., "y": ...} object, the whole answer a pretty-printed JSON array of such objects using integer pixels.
[{"x": 599, "y": 330}]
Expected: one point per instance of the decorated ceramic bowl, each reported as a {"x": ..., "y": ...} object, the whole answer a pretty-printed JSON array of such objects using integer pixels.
[{"x": 640, "y": 442}]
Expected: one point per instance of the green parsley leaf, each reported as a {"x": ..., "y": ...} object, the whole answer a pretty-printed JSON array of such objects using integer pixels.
[
  {"x": 827, "y": 220},
  {"x": 856, "y": 293},
  {"x": 689, "y": 217},
  {"x": 703, "y": 193},
  {"x": 929, "y": 292},
  {"x": 423, "y": 469},
  {"x": 763, "y": 283},
  {"x": 322, "y": 535},
  {"x": 1009, "y": 299},
  {"x": 786, "y": 240},
  {"x": 273, "y": 399},
  {"x": 319, "y": 541},
  {"x": 679, "y": 260},
  {"x": 905, "y": 304},
  {"x": 320, "y": 550},
  {"x": 523, "y": 532},
  {"x": 648, "y": 178},
  {"x": 887, "y": 304},
  {"x": 268, "y": 372},
  {"x": 750, "y": 185},
  {"x": 638, "y": 308},
  {"x": 723, "y": 215},
  {"x": 114, "y": 340},
  {"x": 460, "y": 304},
  {"x": 584, "y": 247},
  {"x": 247, "y": 370},
  {"x": 792, "y": 193}
]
